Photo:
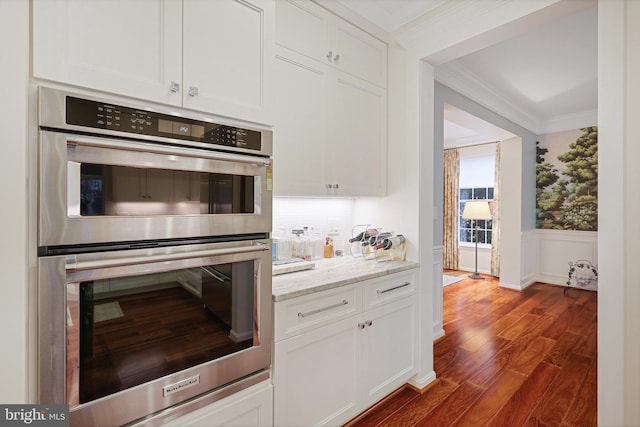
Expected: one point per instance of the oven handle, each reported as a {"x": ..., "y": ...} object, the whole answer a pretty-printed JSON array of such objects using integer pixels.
[
  {"x": 72, "y": 264},
  {"x": 159, "y": 149}
]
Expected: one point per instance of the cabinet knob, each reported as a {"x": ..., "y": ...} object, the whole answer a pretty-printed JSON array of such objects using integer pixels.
[
  {"x": 336, "y": 186},
  {"x": 336, "y": 58},
  {"x": 369, "y": 322},
  {"x": 361, "y": 325},
  {"x": 328, "y": 186},
  {"x": 193, "y": 91},
  {"x": 329, "y": 55},
  {"x": 174, "y": 86}
]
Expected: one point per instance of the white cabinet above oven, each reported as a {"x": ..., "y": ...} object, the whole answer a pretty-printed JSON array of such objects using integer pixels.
[{"x": 210, "y": 56}]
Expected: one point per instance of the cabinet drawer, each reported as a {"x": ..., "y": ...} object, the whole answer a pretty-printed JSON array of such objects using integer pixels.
[
  {"x": 298, "y": 315},
  {"x": 388, "y": 288}
]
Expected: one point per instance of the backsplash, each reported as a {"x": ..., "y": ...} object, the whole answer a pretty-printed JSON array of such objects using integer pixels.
[{"x": 332, "y": 217}]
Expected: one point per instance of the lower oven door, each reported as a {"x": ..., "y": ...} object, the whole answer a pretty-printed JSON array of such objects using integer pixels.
[
  {"x": 99, "y": 189},
  {"x": 125, "y": 334}
]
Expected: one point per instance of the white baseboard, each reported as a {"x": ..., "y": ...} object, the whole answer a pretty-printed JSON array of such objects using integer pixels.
[
  {"x": 438, "y": 334},
  {"x": 522, "y": 287},
  {"x": 421, "y": 383}
]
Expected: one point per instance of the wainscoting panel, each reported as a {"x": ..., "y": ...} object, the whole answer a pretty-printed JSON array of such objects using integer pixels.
[
  {"x": 556, "y": 248},
  {"x": 528, "y": 261},
  {"x": 438, "y": 329}
]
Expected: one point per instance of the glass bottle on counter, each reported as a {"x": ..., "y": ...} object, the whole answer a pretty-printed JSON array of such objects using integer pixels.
[
  {"x": 283, "y": 243},
  {"x": 297, "y": 244}
]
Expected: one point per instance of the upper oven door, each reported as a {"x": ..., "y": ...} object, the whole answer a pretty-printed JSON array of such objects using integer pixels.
[{"x": 100, "y": 190}]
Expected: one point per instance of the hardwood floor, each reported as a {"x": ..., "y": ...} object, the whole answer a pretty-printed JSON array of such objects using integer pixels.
[{"x": 508, "y": 358}]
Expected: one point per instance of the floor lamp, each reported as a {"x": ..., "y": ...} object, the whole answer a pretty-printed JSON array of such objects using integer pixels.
[{"x": 476, "y": 210}]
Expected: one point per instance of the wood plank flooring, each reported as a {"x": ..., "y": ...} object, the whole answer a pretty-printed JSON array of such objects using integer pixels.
[{"x": 508, "y": 358}]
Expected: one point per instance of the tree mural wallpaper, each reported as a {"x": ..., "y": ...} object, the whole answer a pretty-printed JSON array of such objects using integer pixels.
[{"x": 567, "y": 190}]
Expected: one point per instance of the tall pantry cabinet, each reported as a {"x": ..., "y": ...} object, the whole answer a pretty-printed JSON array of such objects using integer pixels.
[
  {"x": 213, "y": 56},
  {"x": 331, "y": 105}
]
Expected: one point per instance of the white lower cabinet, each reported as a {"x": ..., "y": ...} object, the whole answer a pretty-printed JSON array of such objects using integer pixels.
[
  {"x": 315, "y": 376},
  {"x": 328, "y": 374},
  {"x": 252, "y": 407},
  {"x": 389, "y": 349}
]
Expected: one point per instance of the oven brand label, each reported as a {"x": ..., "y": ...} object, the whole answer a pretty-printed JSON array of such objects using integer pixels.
[{"x": 180, "y": 385}]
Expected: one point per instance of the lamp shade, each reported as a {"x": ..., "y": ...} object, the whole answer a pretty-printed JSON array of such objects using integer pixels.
[{"x": 476, "y": 209}]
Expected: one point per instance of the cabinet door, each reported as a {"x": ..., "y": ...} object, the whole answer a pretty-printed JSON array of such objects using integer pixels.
[
  {"x": 356, "y": 150},
  {"x": 388, "y": 349},
  {"x": 227, "y": 57},
  {"x": 127, "y": 47},
  {"x": 358, "y": 53},
  {"x": 299, "y": 126},
  {"x": 301, "y": 27},
  {"x": 316, "y": 380}
]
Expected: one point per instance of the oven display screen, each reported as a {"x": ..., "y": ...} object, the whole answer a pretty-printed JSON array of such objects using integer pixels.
[{"x": 99, "y": 115}]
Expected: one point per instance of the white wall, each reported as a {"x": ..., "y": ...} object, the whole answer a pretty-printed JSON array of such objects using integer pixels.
[
  {"x": 14, "y": 45},
  {"x": 467, "y": 258},
  {"x": 327, "y": 216},
  {"x": 618, "y": 234},
  {"x": 398, "y": 211},
  {"x": 510, "y": 213}
]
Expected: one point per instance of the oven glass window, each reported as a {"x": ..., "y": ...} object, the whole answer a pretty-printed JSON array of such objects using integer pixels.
[
  {"x": 131, "y": 330},
  {"x": 119, "y": 190}
]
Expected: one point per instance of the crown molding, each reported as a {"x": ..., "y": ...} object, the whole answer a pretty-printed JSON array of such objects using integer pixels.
[
  {"x": 571, "y": 121},
  {"x": 469, "y": 85},
  {"x": 433, "y": 28}
]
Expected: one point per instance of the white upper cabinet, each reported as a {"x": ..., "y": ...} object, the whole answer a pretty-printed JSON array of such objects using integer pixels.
[
  {"x": 310, "y": 30},
  {"x": 120, "y": 46},
  {"x": 211, "y": 56},
  {"x": 356, "y": 140},
  {"x": 299, "y": 130},
  {"x": 301, "y": 26},
  {"x": 355, "y": 52},
  {"x": 330, "y": 130},
  {"x": 227, "y": 51},
  {"x": 330, "y": 124}
]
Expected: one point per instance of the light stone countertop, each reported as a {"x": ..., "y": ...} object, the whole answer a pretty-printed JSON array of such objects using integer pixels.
[{"x": 331, "y": 273}]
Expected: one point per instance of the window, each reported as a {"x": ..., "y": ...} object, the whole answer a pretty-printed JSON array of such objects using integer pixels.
[{"x": 467, "y": 227}]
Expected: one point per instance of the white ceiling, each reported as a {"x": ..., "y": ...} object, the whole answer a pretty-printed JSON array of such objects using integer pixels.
[{"x": 544, "y": 80}]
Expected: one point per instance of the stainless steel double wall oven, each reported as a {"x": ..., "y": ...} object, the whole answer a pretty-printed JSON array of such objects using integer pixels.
[{"x": 154, "y": 274}]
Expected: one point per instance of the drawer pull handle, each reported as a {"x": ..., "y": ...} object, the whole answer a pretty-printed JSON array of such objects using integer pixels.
[
  {"x": 393, "y": 289},
  {"x": 320, "y": 310}
]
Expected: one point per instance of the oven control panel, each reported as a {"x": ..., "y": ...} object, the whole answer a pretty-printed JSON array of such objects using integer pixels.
[{"x": 100, "y": 115}]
